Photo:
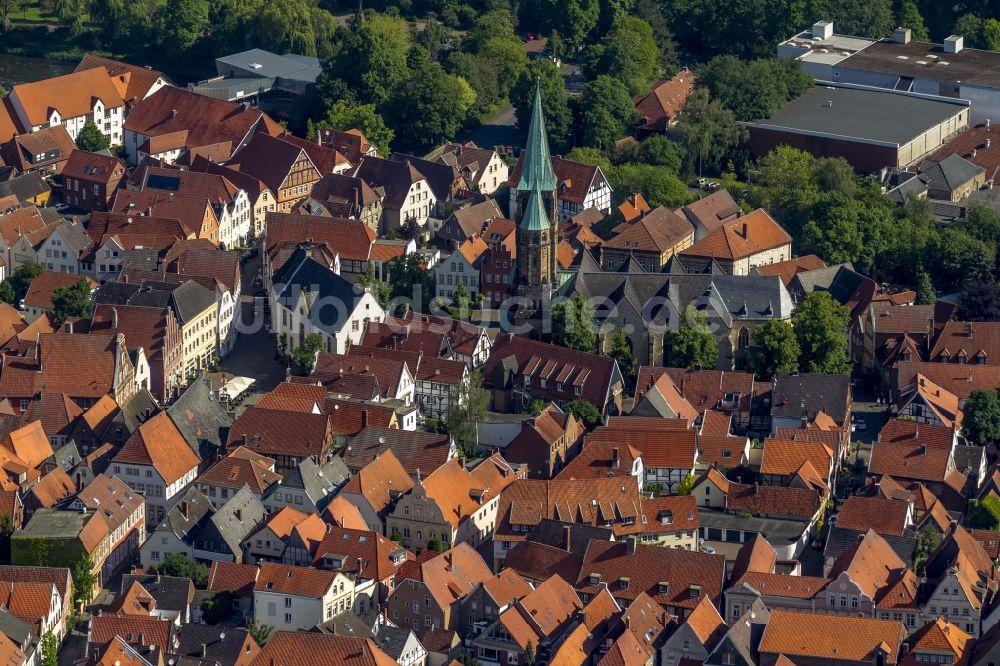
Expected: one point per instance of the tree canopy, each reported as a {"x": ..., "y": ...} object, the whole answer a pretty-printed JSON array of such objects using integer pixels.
[
  {"x": 91, "y": 139},
  {"x": 74, "y": 301},
  {"x": 775, "y": 350},
  {"x": 820, "y": 325},
  {"x": 573, "y": 325},
  {"x": 981, "y": 424},
  {"x": 693, "y": 344}
]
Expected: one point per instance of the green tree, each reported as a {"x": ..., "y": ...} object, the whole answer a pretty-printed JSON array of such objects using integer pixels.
[
  {"x": 496, "y": 24},
  {"x": 373, "y": 60},
  {"x": 981, "y": 424},
  {"x": 658, "y": 186},
  {"x": 260, "y": 633},
  {"x": 630, "y": 54},
  {"x": 775, "y": 350},
  {"x": 50, "y": 649},
  {"x": 953, "y": 256},
  {"x": 466, "y": 411},
  {"x": 983, "y": 514},
  {"x": 654, "y": 488},
  {"x": 970, "y": 27},
  {"x": 585, "y": 412},
  {"x": 867, "y": 18},
  {"x": 21, "y": 278},
  {"x": 621, "y": 351},
  {"x": 928, "y": 540},
  {"x": 84, "y": 580},
  {"x": 433, "y": 37},
  {"x": 607, "y": 112},
  {"x": 410, "y": 282},
  {"x": 573, "y": 325},
  {"x": 91, "y": 139},
  {"x": 575, "y": 19},
  {"x": 75, "y": 301},
  {"x": 508, "y": 56},
  {"x": 555, "y": 101},
  {"x": 591, "y": 156},
  {"x": 182, "y": 566},
  {"x": 820, "y": 325},
  {"x": 7, "y": 8},
  {"x": 692, "y": 345},
  {"x": 435, "y": 545},
  {"x": 991, "y": 34},
  {"x": 909, "y": 16},
  {"x": 7, "y": 292},
  {"x": 218, "y": 608},
  {"x": 753, "y": 89},
  {"x": 379, "y": 289},
  {"x": 925, "y": 289},
  {"x": 980, "y": 301},
  {"x": 285, "y": 26},
  {"x": 181, "y": 23},
  {"x": 685, "y": 486},
  {"x": 429, "y": 108},
  {"x": 708, "y": 132},
  {"x": 529, "y": 654},
  {"x": 344, "y": 115},
  {"x": 304, "y": 356}
]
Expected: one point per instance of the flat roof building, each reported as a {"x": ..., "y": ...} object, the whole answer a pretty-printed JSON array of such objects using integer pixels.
[
  {"x": 898, "y": 63},
  {"x": 255, "y": 73},
  {"x": 870, "y": 127}
]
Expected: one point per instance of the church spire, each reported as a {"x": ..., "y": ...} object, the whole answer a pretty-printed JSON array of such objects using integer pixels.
[
  {"x": 534, "y": 218},
  {"x": 536, "y": 170}
]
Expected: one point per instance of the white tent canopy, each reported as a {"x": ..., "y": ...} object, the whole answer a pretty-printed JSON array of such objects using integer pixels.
[{"x": 235, "y": 386}]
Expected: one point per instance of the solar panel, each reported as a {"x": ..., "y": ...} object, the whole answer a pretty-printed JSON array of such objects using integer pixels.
[{"x": 164, "y": 183}]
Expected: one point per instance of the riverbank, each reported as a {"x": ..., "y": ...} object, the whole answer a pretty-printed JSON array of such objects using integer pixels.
[{"x": 15, "y": 69}]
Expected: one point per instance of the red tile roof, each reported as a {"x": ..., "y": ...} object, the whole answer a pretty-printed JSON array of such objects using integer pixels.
[
  {"x": 822, "y": 636},
  {"x": 237, "y": 578},
  {"x": 740, "y": 238},
  {"x": 160, "y": 444},
  {"x": 274, "y": 432},
  {"x": 299, "y": 648},
  {"x": 72, "y": 95},
  {"x": 42, "y": 287},
  {"x": 885, "y": 516},
  {"x": 658, "y": 108}
]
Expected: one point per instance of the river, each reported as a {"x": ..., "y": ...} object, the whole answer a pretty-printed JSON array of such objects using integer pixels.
[{"x": 22, "y": 69}]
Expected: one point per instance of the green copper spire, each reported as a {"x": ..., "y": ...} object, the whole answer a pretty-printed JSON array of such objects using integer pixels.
[
  {"x": 536, "y": 171},
  {"x": 534, "y": 218}
]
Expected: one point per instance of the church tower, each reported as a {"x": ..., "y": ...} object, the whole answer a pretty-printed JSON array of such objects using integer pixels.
[{"x": 537, "y": 233}]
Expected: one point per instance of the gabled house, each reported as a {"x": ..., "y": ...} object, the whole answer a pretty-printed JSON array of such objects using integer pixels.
[
  {"x": 483, "y": 169},
  {"x": 371, "y": 559},
  {"x": 375, "y": 488},
  {"x": 452, "y": 504},
  {"x": 291, "y": 598},
  {"x": 696, "y": 637},
  {"x": 579, "y": 187},
  {"x": 428, "y": 592},
  {"x": 157, "y": 461},
  {"x": 38, "y": 299},
  {"x": 740, "y": 245},
  {"x": 341, "y": 195},
  {"x": 811, "y": 638},
  {"x": 71, "y": 100},
  {"x": 407, "y": 193},
  {"x": 658, "y": 109},
  {"x": 520, "y": 370},
  {"x": 923, "y": 401},
  {"x": 650, "y": 240},
  {"x": 309, "y": 486},
  {"x": 90, "y": 180},
  {"x": 174, "y": 124},
  {"x": 536, "y": 621},
  {"x": 283, "y": 166},
  {"x": 546, "y": 442},
  {"x": 240, "y": 468},
  {"x": 135, "y": 83}
]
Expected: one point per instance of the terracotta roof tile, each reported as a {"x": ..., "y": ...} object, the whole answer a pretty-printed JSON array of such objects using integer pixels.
[
  {"x": 135, "y": 601},
  {"x": 908, "y": 450},
  {"x": 29, "y": 443},
  {"x": 275, "y": 432},
  {"x": 416, "y": 451},
  {"x": 72, "y": 95},
  {"x": 691, "y": 575},
  {"x": 298, "y": 648},
  {"x": 53, "y": 488},
  {"x": 380, "y": 480},
  {"x": 237, "y": 578},
  {"x": 665, "y": 99},
  {"x": 160, "y": 444},
  {"x": 712, "y": 211},
  {"x": 659, "y": 231},
  {"x": 773, "y": 500},
  {"x": 136, "y": 80},
  {"x": 741, "y": 238},
  {"x": 235, "y": 472},
  {"x": 297, "y": 581},
  {"x": 153, "y": 631},
  {"x": 42, "y": 287},
  {"x": 784, "y": 457},
  {"x": 822, "y": 636},
  {"x": 788, "y": 268},
  {"x": 665, "y": 448},
  {"x": 936, "y": 637},
  {"x": 885, "y": 516},
  {"x": 870, "y": 563}
]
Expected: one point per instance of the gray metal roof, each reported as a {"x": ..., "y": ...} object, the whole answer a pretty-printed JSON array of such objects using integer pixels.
[
  {"x": 201, "y": 419},
  {"x": 319, "y": 483},
  {"x": 237, "y": 518},
  {"x": 303, "y": 274},
  {"x": 950, "y": 173},
  {"x": 170, "y": 592},
  {"x": 840, "y": 539},
  {"x": 223, "y": 644},
  {"x": 873, "y": 115},
  {"x": 775, "y": 530},
  {"x": 271, "y": 65},
  {"x": 796, "y": 393}
]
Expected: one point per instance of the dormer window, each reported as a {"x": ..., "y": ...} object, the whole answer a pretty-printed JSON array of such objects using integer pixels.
[
  {"x": 544, "y": 382},
  {"x": 527, "y": 380},
  {"x": 577, "y": 390}
]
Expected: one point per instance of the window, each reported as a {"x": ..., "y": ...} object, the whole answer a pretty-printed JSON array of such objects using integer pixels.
[
  {"x": 288, "y": 602},
  {"x": 154, "y": 555},
  {"x": 288, "y": 618}
]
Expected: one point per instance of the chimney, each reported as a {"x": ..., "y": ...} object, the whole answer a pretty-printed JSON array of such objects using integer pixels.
[
  {"x": 954, "y": 44},
  {"x": 901, "y": 35},
  {"x": 239, "y": 515},
  {"x": 630, "y": 545},
  {"x": 823, "y": 29},
  {"x": 616, "y": 461},
  {"x": 745, "y": 232},
  {"x": 567, "y": 537},
  {"x": 968, "y": 329},
  {"x": 204, "y": 650},
  {"x": 184, "y": 509},
  {"x": 114, "y": 318}
]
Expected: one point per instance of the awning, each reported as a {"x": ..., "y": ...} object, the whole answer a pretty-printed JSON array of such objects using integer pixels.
[{"x": 235, "y": 386}]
